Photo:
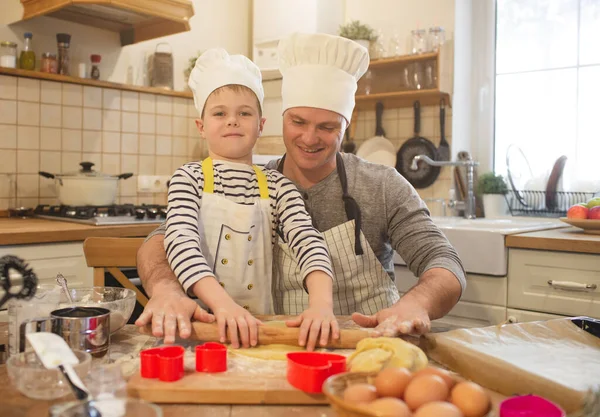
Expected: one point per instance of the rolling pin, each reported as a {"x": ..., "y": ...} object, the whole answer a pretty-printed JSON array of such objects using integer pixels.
[{"x": 267, "y": 335}]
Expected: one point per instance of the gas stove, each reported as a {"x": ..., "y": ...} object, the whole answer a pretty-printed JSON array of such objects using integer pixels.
[{"x": 116, "y": 214}]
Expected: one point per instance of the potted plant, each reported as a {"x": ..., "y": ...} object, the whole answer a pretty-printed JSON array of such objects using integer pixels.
[
  {"x": 361, "y": 33},
  {"x": 189, "y": 68},
  {"x": 493, "y": 189}
]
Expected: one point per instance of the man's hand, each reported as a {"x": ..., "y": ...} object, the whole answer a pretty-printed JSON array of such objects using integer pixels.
[
  {"x": 405, "y": 317},
  {"x": 316, "y": 319},
  {"x": 170, "y": 311}
]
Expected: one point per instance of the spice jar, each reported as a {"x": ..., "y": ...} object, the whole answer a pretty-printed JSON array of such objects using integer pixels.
[
  {"x": 49, "y": 63},
  {"x": 8, "y": 54},
  {"x": 95, "y": 72},
  {"x": 64, "y": 42}
]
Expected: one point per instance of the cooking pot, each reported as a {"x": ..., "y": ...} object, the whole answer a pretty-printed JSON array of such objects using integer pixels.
[{"x": 86, "y": 187}]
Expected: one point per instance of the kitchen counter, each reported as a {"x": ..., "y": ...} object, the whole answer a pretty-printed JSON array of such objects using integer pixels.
[
  {"x": 571, "y": 239},
  {"x": 16, "y": 231}
]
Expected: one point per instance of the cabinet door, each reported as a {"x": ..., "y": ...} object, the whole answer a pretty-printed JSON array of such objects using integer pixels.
[
  {"x": 465, "y": 314},
  {"x": 522, "y": 316},
  {"x": 554, "y": 282}
]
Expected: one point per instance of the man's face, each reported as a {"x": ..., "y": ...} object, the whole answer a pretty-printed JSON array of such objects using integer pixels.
[{"x": 312, "y": 137}]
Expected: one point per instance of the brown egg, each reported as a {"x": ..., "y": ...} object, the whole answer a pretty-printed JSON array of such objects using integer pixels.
[
  {"x": 389, "y": 407},
  {"x": 391, "y": 382},
  {"x": 438, "y": 409},
  {"x": 360, "y": 393},
  {"x": 445, "y": 375},
  {"x": 471, "y": 399},
  {"x": 425, "y": 389}
]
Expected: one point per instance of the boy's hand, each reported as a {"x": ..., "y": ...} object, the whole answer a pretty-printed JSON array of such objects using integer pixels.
[
  {"x": 317, "y": 319},
  {"x": 231, "y": 319}
]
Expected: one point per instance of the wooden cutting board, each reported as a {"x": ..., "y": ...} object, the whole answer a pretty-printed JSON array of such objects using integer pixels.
[{"x": 247, "y": 381}]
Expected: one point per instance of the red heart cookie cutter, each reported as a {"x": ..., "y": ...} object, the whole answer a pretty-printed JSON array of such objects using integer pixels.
[
  {"x": 211, "y": 357},
  {"x": 164, "y": 363},
  {"x": 308, "y": 370}
]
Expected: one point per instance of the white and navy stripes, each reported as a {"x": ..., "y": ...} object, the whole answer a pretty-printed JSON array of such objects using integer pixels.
[{"x": 238, "y": 183}]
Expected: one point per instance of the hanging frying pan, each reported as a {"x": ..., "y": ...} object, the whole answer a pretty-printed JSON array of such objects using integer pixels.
[
  {"x": 378, "y": 149},
  {"x": 426, "y": 174}
]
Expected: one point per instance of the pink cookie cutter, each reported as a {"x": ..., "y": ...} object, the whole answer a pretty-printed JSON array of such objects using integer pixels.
[
  {"x": 164, "y": 363},
  {"x": 530, "y": 406}
]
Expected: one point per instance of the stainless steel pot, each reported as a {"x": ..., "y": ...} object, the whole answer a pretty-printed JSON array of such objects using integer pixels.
[{"x": 86, "y": 187}]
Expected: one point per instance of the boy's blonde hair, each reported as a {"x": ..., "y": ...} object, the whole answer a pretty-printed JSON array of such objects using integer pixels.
[{"x": 236, "y": 88}]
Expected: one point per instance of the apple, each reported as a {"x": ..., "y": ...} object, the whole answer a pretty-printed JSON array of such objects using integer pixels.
[
  {"x": 593, "y": 202},
  {"x": 578, "y": 211},
  {"x": 594, "y": 213}
]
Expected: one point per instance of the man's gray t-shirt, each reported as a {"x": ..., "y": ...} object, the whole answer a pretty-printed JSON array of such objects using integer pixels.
[{"x": 393, "y": 215}]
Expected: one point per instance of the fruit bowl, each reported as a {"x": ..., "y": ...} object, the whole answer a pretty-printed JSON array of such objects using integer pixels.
[{"x": 588, "y": 225}]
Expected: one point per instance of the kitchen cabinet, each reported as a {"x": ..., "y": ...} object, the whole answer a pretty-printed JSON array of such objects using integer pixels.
[
  {"x": 135, "y": 20},
  {"x": 514, "y": 315}
]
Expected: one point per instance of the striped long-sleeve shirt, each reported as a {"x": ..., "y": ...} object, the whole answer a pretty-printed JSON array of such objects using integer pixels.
[{"x": 238, "y": 183}]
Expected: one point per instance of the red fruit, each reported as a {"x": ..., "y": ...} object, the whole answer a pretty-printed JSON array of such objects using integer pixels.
[
  {"x": 578, "y": 211},
  {"x": 594, "y": 213}
]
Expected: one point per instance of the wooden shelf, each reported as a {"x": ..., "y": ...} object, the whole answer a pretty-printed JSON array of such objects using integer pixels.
[
  {"x": 401, "y": 99},
  {"x": 377, "y": 63},
  {"x": 94, "y": 83}
]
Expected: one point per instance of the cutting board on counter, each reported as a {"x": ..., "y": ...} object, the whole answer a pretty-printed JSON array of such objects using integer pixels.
[{"x": 247, "y": 381}]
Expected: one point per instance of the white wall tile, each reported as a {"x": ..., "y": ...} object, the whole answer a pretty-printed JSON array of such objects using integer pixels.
[
  {"x": 50, "y": 138},
  {"x": 111, "y": 142},
  {"x": 28, "y": 113},
  {"x": 177, "y": 161},
  {"x": 4, "y": 203},
  {"x": 180, "y": 126},
  {"x": 92, "y": 141},
  {"x": 94, "y": 158},
  {"x": 50, "y": 161},
  {"x": 163, "y": 165},
  {"x": 28, "y": 137},
  {"x": 163, "y": 125},
  {"x": 164, "y": 105},
  {"x": 130, "y": 101},
  {"x": 195, "y": 149},
  {"x": 129, "y": 143},
  {"x": 145, "y": 198},
  {"x": 8, "y": 87},
  {"x": 9, "y": 162},
  {"x": 179, "y": 147},
  {"x": 92, "y": 119},
  {"x": 48, "y": 187},
  {"x": 192, "y": 111},
  {"x": 8, "y": 136},
  {"x": 28, "y": 185},
  {"x": 146, "y": 165},
  {"x": 129, "y": 122},
  {"x": 147, "y": 103},
  {"x": 28, "y": 89},
  {"x": 8, "y": 111},
  {"x": 72, "y": 117},
  {"x": 163, "y": 145},
  {"x": 111, "y": 99},
  {"x": 111, "y": 120},
  {"x": 180, "y": 106},
  {"x": 129, "y": 163},
  {"x": 50, "y": 115},
  {"x": 192, "y": 129},
  {"x": 92, "y": 97},
  {"x": 72, "y": 95},
  {"x": 147, "y": 145},
  {"x": 51, "y": 92},
  {"x": 28, "y": 162},
  {"x": 111, "y": 164},
  {"x": 128, "y": 187},
  {"x": 70, "y": 162},
  {"x": 71, "y": 140},
  {"x": 147, "y": 123}
]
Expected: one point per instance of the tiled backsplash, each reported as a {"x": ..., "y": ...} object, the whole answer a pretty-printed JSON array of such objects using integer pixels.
[{"x": 52, "y": 126}]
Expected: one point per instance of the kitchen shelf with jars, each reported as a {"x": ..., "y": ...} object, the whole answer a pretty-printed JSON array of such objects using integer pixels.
[{"x": 401, "y": 80}]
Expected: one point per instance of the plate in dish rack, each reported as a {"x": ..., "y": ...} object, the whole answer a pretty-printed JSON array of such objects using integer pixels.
[{"x": 588, "y": 225}]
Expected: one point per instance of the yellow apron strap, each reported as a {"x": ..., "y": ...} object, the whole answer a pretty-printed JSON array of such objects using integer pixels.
[
  {"x": 262, "y": 182},
  {"x": 209, "y": 180}
]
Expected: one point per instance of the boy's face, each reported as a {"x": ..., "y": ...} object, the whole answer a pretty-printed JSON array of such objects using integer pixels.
[{"x": 231, "y": 125}]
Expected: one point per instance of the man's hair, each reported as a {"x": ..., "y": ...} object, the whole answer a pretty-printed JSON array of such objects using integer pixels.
[{"x": 236, "y": 88}]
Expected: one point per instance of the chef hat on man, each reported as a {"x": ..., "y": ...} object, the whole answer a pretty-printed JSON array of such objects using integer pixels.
[
  {"x": 215, "y": 68},
  {"x": 321, "y": 71}
]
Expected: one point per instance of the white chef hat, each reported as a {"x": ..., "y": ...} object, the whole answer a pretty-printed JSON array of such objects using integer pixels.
[
  {"x": 321, "y": 71},
  {"x": 215, "y": 68}
]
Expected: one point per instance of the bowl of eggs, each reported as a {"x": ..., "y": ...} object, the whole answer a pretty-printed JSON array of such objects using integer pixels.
[{"x": 396, "y": 392}]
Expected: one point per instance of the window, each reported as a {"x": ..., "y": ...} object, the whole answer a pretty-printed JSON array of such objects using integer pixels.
[{"x": 548, "y": 84}]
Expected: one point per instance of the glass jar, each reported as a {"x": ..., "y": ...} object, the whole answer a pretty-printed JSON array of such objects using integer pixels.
[
  {"x": 49, "y": 63},
  {"x": 437, "y": 37},
  {"x": 64, "y": 42},
  {"x": 27, "y": 58},
  {"x": 95, "y": 72},
  {"x": 418, "y": 41},
  {"x": 8, "y": 54}
]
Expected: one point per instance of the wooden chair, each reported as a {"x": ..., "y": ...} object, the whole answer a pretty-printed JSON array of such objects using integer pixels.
[{"x": 108, "y": 254}]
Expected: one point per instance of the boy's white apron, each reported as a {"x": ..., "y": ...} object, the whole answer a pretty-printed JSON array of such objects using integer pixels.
[{"x": 236, "y": 242}]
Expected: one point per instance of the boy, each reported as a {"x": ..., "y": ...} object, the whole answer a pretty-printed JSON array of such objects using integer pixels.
[{"x": 224, "y": 214}]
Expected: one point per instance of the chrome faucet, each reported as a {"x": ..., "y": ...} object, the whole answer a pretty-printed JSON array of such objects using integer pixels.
[{"x": 470, "y": 164}]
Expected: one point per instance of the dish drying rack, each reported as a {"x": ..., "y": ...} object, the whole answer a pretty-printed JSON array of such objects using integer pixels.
[{"x": 534, "y": 203}]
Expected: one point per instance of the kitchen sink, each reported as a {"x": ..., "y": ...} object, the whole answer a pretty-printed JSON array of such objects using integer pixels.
[{"x": 480, "y": 242}]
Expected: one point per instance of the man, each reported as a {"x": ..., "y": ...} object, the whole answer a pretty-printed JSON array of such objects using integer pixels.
[{"x": 365, "y": 211}]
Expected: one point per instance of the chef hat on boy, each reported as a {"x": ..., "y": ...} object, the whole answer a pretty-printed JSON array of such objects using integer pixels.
[
  {"x": 215, "y": 68},
  {"x": 321, "y": 71}
]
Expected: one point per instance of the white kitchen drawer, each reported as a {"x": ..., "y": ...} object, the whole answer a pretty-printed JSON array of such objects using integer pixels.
[
  {"x": 465, "y": 314},
  {"x": 521, "y": 316},
  {"x": 483, "y": 289},
  {"x": 530, "y": 271}
]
